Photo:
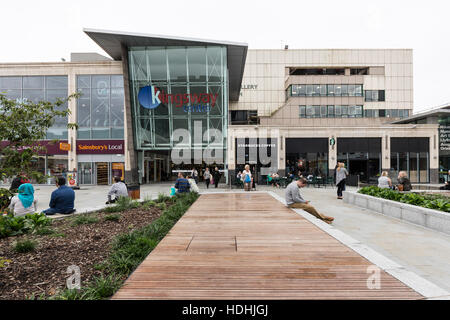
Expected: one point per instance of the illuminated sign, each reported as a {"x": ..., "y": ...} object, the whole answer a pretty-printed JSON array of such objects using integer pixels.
[{"x": 150, "y": 97}]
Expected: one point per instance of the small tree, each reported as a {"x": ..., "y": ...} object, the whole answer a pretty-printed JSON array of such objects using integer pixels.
[{"x": 23, "y": 124}]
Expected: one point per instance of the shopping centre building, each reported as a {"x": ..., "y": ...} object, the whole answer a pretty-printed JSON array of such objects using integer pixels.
[{"x": 163, "y": 104}]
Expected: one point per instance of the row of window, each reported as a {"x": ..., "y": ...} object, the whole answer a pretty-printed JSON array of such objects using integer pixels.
[
  {"x": 349, "y": 112},
  {"x": 326, "y": 90},
  {"x": 327, "y": 71},
  {"x": 331, "y": 111}
]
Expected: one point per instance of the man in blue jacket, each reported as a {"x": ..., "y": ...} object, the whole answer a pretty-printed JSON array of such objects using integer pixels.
[{"x": 62, "y": 199}]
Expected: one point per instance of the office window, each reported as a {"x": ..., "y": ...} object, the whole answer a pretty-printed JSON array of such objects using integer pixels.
[
  {"x": 316, "y": 111},
  {"x": 351, "y": 90},
  {"x": 294, "y": 91},
  {"x": 331, "y": 90},
  {"x": 358, "y": 90},
  {"x": 344, "y": 90},
  {"x": 374, "y": 95},
  {"x": 309, "y": 111},
  {"x": 302, "y": 111},
  {"x": 344, "y": 112},
  {"x": 309, "y": 90},
  {"x": 338, "y": 111},
  {"x": 330, "y": 111},
  {"x": 323, "y": 111}
]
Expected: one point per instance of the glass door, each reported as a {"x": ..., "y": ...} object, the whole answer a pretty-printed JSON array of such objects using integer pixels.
[
  {"x": 102, "y": 173},
  {"x": 85, "y": 173}
]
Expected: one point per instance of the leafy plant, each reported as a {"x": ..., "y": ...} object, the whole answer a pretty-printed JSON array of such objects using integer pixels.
[
  {"x": 23, "y": 246},
  {"x": 437, "y": 202},
  {"x": 5, "y": 198},
  {"x": 84, "y": 219},
  {"x": 112, "y": 217},
  {"x": 43, "y": 231}
]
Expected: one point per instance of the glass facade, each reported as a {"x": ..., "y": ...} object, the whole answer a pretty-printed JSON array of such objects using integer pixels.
[
  {"x": 186, "y": 89},
  {"x": 39, "y": 88},
  {"x": 100, "y": 108}
]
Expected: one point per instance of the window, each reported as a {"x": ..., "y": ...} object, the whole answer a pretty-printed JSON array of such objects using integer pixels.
[
  {"x": 351, "y": 90},
  {"x": 309, "y": 111},
  {"x": 358, "y": 90},
  {"x": 36, "y": 89},
  {"x": 337, "y": 90},
  {"x": 359, "y": 71},
  {"x": 374, "y": 95},
  {"x": 100, "y": 109},
  {"x": 309, "y": 90},
  {"x": 330, "y": 111},
  {"x": 302, "y": 111},
  {"x": 244, "y": 117},
  {"x": 331, "y": 89},
  {"x": 344, "y": 90},
  {"x": 323, "y": 111}
]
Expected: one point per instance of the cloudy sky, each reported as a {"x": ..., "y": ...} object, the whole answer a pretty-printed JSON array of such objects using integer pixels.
[{"x": 48, "y": 30}]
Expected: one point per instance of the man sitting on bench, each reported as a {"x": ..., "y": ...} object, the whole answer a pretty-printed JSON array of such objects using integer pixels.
[{"x": 62, "y": 199}]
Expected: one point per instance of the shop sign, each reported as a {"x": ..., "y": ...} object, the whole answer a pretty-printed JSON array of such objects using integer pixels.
[
  {"x": 64, "y": 146},
  {"x": 43, "y": 147},
  {"x": 150, "y": 97},
  {"x": 444, "y": 138},
  {"x": 100, "y": 147}
]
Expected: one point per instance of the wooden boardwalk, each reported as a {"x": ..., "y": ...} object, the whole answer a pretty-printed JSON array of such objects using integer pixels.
[{"x": 250, "y": 246}]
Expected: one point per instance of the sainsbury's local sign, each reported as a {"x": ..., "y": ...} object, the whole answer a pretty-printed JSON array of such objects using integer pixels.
[
  {"x": 100, "y": 146},
  {"x": 150, "y": 97}
]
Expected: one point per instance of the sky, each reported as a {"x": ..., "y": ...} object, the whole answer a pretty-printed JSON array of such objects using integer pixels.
[{"x": 48, "y": 30}]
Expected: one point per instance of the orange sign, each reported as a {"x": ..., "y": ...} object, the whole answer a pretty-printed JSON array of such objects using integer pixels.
[
  {"x": 118, "y": 169},
  {"x": 64, "y": 146}
]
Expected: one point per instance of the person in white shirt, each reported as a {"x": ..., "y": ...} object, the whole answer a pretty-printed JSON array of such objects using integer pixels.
[
  {"x": 118, "y": 189},
  {"x": 384, "y": 181},
  {"x": 193, "y": 184},
  {"x": 247, "y": 178},
  {"x": 24, "y": 202}
]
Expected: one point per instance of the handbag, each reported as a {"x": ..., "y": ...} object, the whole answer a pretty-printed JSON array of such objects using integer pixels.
[
  {"x": 247, "y": 178},
  {"x": 400, "y": 187}
]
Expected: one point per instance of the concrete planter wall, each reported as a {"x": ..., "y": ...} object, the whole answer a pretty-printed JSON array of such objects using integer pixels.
[{"x": 428, "y": 218}]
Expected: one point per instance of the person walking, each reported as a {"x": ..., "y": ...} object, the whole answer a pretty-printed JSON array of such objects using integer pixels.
[
  {"x": 384, "y": 182},
  {"x": 24, "y": 202},
  {"x": 194, "y": 174},
  {"x": 207, "y": 177},
  {"x": 341, "y": 177},
  {"x": 295, "y": 200},
  {"x": 247, "y": 178},
  {"x": 217, "y": 176}
]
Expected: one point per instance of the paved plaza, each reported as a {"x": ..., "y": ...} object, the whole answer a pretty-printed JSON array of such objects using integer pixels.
[{"x": 420, "y": 250}]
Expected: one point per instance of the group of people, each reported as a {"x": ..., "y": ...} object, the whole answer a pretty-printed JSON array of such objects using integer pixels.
[
  {"x": 62, "y": 199},
  {"x": 403, "y": 182},
  {"x": 187, "y": 184}
]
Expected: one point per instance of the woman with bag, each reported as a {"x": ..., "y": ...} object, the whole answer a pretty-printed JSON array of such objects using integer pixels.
[
  {"x": 341, "y": 176},
  {"x": 247, "y": 178},
  {"x": 207, "y": 176},
  {"x": 216, "y": 176}
]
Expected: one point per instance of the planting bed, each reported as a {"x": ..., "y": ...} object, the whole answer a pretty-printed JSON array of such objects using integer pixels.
[{"x": 81, "y": 240}]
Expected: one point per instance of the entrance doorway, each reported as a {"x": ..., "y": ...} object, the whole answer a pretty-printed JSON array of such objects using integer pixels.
[
  {"x": 102, "y": 173},
  {"x": 153, "y": 170}
]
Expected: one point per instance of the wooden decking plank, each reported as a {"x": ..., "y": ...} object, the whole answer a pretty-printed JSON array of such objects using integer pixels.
[{"x": 253, "y": 247}]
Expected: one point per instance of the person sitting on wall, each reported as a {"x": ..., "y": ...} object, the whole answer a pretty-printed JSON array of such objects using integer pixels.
[
  {"x": 295, "y": 200},
  {"x": 403, "y": 182},
  {"x": 193, "y": 185},
  {"x": 25, "y": 202},
  {"x": 118, "y": 189},
  {"x": 182, "y": 184},
  {"x": 62, "y": 199}
]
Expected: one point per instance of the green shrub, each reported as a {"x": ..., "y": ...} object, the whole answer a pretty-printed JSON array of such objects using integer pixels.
[
  {"x": 84, "y": 219},
  {"x": 148, "y": 204},
  {"x": 23, "y": 246},
  {"x": 43, "y": 231},
  {"x": 122, "y": 204},
  {"x": 13, "y": 226},
  {"x": 162, "y": 206},
  {"x": 112, "y": 217},
  {"x": 39, "y": 220},
  {"x": 437, "y": 202}
]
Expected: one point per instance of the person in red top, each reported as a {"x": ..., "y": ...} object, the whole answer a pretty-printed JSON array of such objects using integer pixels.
[{"x": 18, "y": 181}]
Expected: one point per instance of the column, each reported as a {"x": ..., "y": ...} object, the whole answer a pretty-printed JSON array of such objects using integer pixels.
[
  {"x": 332, "y": 154},
  {"x": 72, "y": 133},
  {"x": 386, "y": 153},
  {"x": 434, "y": 158}
]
